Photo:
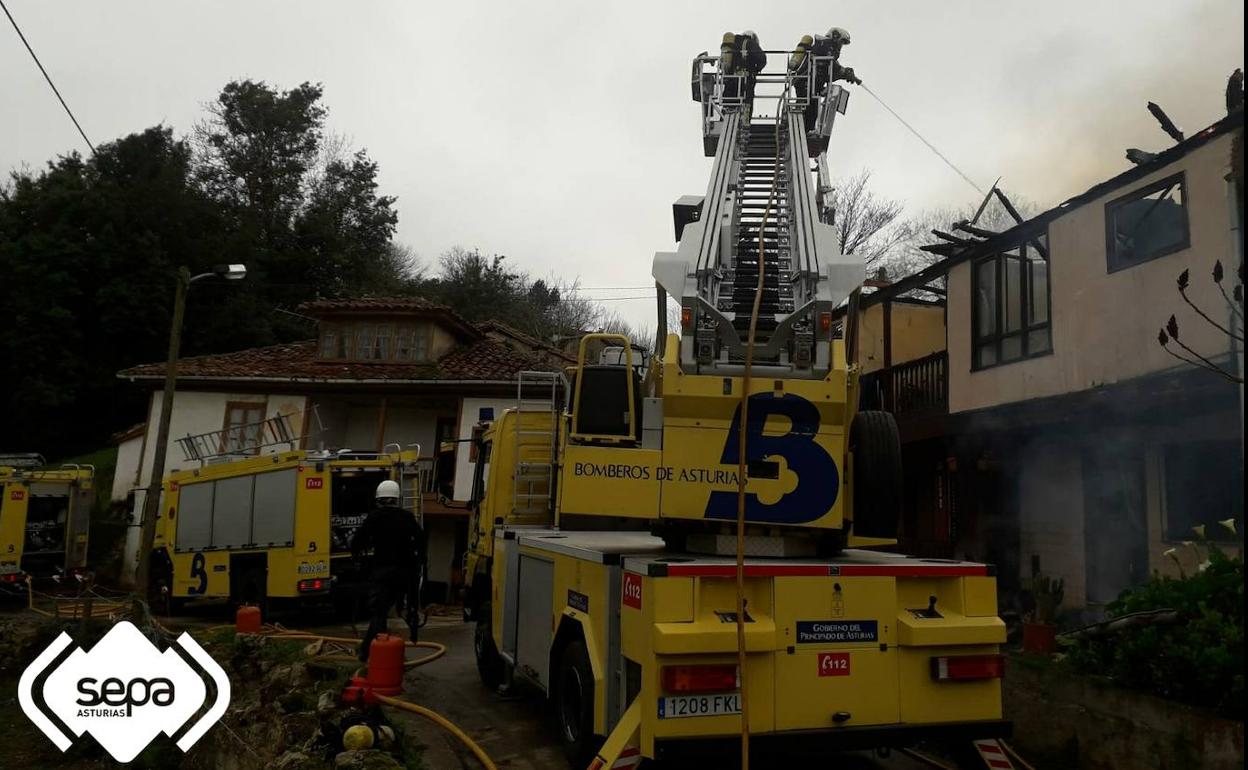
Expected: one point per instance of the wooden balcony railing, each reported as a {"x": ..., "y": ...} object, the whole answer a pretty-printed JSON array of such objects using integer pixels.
[{"x": 918, "y": 387}]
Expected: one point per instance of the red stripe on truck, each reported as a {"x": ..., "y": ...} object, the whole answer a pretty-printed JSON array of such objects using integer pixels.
[
  {"x": 915, "y": 570},
  {"x": 825, "y": 570}
]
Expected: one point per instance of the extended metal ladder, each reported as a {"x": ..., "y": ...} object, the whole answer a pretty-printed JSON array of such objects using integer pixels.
[
  {"x": 762, "y": 150},
  {"x": 537, "y": 443}
]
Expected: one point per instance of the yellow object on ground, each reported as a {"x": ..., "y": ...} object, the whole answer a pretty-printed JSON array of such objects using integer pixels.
[{"x": 357, "y": 737}]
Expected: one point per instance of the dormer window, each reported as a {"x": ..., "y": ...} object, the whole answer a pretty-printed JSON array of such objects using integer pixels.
[
  {"x": 411, "y": 343},
  {"x": 373, "y": 341}
]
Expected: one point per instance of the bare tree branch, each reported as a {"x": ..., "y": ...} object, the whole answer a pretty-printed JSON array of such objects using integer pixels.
[
  {"x": 1201, "y": 313},
  {"x": 868, "y": 225},
  {"x": 1211, "y": 367}
]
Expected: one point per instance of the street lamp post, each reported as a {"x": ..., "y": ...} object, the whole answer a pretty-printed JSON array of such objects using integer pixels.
[{"x": 151, "y": 502}]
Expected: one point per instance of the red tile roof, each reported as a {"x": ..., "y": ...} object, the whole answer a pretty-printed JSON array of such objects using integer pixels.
[
  {"x": 394, "y": 307},
  {"x": 527, "y": 340},
  {"x": 484, "y": 360}
]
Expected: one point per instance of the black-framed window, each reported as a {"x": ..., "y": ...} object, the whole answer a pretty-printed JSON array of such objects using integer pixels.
[
  {"x": 1010, "y": 314},
  {"x": 1148, "y": 223}
]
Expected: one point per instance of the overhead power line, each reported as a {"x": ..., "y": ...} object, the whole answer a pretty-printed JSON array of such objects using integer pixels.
[
  {"x": 930, "y": 146},
  {"x": 649, "y": 297},
  {"x": 47, "y": 77}
]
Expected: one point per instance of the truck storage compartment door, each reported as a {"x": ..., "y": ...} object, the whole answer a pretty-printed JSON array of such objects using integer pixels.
[
  {"x": 536, "y": 582},
  {"x": 836, "y": 664}
]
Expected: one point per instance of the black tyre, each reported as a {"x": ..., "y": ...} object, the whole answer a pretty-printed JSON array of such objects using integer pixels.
[
  {"x": 574, "y": 705},
  {"x": 160, "y": 598},
  {"x": 876, "y": 446},
  {"x": 490, "y": 664}
]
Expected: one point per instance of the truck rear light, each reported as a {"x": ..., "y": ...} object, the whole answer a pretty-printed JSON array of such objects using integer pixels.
[
  {"x": 963, "y": 668},
  {"x": 316, "y": 584},
  {"x": 11, "y": 577},
  {"x": 713, "y": 678}
]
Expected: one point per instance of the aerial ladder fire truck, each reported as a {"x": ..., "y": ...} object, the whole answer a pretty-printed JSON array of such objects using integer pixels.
[{"x": 680, "y": 555}]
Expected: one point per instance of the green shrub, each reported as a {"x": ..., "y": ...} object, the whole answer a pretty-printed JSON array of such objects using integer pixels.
[{"x": 1200, "y": 659}]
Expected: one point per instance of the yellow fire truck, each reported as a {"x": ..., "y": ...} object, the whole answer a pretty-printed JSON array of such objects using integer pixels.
[
  {"x": 603, "y": 555},
  {"x": 45, "y": 518},
  {"x": 275, "y": 526}
]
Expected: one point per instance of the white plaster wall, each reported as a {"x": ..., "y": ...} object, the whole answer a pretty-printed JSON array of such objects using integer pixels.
[
  {"x": 125, "y": 477},
  {"x": 469, "y": 416}
]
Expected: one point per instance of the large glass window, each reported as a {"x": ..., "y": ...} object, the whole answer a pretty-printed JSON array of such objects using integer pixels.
[
  {"x": 1010, "y": 311},
  {"x": 1149, "y": 223}
]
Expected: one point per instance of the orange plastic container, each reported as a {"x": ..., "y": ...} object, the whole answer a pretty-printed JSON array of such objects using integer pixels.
[
  {"x": 385, "y": 665},
  {"x": 247, "y": 620}
]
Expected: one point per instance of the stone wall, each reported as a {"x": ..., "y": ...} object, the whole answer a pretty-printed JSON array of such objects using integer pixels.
[{"x": 1066, "y": 720}]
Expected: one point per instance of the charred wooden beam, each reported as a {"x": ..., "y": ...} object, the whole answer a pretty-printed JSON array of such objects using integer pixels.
[
  {"x": 1140, "y": 157},
  {"x": 944, "y": 236},
  {"x": 967, "y": 227},
  {"x": 984, "y": 203},
  {"x": 1009, "y": 207},
  {"x": 1167, "y": 124}
]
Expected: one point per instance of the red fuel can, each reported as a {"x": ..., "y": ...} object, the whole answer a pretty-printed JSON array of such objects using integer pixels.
[
  {"x": 385, "y": 665},
  {"x": 247, "y": 620}
]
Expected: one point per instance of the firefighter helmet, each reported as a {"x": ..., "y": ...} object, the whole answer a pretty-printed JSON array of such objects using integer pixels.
[{"x": 388, "y": 491}]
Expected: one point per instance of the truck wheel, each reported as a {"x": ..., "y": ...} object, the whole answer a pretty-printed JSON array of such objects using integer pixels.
[
  {"x": 574, "y": 705},
  {"x": 489, "y": 662},
  {"x": 876, "y": 445},
  {"x": 160, "y": 597}
]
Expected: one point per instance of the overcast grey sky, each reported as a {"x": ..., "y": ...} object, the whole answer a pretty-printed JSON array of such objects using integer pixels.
[{"x": 559, "y": 133}]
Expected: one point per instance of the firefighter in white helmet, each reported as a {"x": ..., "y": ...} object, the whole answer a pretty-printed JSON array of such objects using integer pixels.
[
  {"x": 828, "y": 69},
  {"x": 397, "y": 543}
]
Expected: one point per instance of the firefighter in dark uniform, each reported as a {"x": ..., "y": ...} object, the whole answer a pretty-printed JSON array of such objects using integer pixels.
[
  {"x": 826, "y": 71},
  {"x": 398, "y": 545},
  {"x": 741, "y": 55}
]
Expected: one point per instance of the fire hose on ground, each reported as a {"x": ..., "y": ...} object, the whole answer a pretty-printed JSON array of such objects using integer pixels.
[
  {"x": 83, "y": 608},
  {"x": 277, "y": 631}
]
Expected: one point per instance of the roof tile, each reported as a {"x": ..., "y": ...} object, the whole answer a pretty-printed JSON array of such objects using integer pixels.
[{"x": 484, "y": 360}]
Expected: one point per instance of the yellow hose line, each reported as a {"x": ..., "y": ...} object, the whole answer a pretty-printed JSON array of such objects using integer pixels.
[
  {"x": 445, "y": 724},
  {"x": 741, "y": 454},
  {"x": 278, "y": 631}
]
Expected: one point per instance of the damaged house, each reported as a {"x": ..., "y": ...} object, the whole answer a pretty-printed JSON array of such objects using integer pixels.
[{"x": 1044, "y": 427}]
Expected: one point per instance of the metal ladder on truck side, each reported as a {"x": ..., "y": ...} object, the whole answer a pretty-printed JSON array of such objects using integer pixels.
[{"x": 537, "y": 446}]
